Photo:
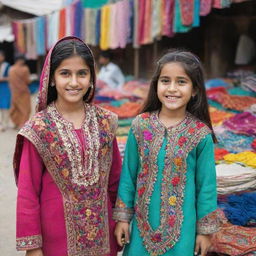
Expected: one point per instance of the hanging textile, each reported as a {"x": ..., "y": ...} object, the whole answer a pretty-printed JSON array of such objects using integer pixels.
[
  {"x": 93, "y": 3},
  {"x": 78, "y": 19},
  {"x": 205, "y": 7},
  {"x": 40, "y": 35},
  {"x": 62, "y": 26},
  {"x": 178, "y": 26},
  {"x": 105, "y": 22},
  {"x": 123, "y": 17},
  {"x": 31, "y": 39},
  {"x": 52, "y": 28},
  {"x": 113, "y": 34},
  {"x": 156, "y": 18},
  {"x": 167, "y": 18},
  {"x": 187, "y": 12}
]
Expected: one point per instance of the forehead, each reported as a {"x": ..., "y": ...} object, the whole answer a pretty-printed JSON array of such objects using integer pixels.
[
  {"x": 173, "y": 69},
  {"x": 73, "y": 62}
]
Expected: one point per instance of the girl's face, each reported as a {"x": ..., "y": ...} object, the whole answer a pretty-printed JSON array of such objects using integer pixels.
[
  {"x": 174, "y": 88},
  {"x": 72, "y": 80}
]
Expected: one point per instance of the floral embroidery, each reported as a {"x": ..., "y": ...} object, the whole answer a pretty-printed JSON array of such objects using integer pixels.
[
  {"x": 171, "y": 220},
  {"x": 149, "y": 133},
  {"x": 175, "y": 181},
  {"x": 28, "y": 242},
  {"x": 80, "y": 173},
  {"x": 172, "y": 200}
]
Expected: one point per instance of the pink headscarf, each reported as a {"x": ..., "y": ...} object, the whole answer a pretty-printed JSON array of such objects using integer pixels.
[{"x": 45, "y": 75}]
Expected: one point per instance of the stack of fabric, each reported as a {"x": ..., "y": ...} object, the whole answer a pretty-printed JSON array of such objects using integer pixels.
[{"x": 232, "y": 110}]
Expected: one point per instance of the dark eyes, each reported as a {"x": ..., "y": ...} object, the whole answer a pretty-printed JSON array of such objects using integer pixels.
[
  {"x": 79, "y": 73},
  {"x": 167, "y": 81}
]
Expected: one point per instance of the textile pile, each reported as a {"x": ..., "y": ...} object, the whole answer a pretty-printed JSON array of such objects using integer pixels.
[{"x": 232, "y": 110}]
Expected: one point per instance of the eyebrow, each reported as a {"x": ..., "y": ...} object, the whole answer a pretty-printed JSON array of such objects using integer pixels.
[
  {"x": 179, "y": 77},
  {"x": 83, "y": 69}
]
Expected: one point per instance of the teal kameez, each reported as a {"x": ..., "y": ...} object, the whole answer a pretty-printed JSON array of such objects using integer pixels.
[{"x": 167, "y": 187}]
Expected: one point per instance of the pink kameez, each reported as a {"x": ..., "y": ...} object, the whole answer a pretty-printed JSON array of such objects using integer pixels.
[
  {"x": 67, "y": 180},
  {"x": 40, "y": 211}
]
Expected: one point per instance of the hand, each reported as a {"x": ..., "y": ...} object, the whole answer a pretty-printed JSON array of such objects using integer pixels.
[
  {"x": 203, "y": 243},
  {"x": 122, "y": 233},
  {"x": 35, "y": 252}
]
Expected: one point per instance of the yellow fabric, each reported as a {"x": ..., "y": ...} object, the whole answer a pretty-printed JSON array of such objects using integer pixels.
[
  {"x": 105, "y": 27},
  {"x": 248, "y": 158}
]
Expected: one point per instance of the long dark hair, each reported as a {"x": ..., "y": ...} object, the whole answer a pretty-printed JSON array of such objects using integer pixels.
[
  {"x": 66, "y": 49},
  {"x": 198, "y": 105}
]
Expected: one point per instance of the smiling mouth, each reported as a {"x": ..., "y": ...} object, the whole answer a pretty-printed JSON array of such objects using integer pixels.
[{"x": 172, "y": 97}]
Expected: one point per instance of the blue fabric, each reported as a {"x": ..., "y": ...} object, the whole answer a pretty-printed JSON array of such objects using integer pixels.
[
  {"x": 241, "y": 92},
  {"x": 34, "y": 86},
  {"x": 240, "y": 209},
  {"x": 5, "y": 93},
  {"x": 216, "y": 82},
  {"x": 78, "y": 19},
  {"x": 40, "y": 35},
  {"x": 97, "y": 29}
]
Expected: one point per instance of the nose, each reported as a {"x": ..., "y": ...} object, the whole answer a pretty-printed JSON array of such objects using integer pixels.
[
  {"x": 73, "y": 81},
  {"x": 172, "y": 86}
]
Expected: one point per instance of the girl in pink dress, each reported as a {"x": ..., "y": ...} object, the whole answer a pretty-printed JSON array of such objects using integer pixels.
[{"x": 67, "y": 162}]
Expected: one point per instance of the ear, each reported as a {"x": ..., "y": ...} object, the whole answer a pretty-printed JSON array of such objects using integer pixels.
[{"x": 194, "y": 93}]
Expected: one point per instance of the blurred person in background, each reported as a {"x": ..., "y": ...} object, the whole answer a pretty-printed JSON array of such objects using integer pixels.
[
  {"x": 109, "y": 72},
  {"x": 19, "y": 78},
  {"x": 5, "y": 94}
]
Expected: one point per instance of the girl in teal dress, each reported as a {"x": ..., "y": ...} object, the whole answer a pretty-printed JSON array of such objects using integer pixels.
[{"x": 167, "y": 190}]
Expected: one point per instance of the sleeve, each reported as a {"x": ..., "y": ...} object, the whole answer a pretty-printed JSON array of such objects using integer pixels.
[
  {"x": 206, "y": 191},
  {"x": 114, "y": 175},
  {"x": 28, "y": 225},
  {"x": 124, "y": 208}
]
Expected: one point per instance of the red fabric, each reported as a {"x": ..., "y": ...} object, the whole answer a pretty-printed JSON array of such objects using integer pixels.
[
  {"x": 62, "y": 28},
  {"x": 220, "y": 153}
]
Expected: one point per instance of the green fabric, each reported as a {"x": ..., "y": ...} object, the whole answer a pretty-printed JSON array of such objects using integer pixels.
[
  {"x": 201, "y": 184},
  {"x": 241, "y": 92},
  {"x": 178, "y": 27},
  {"x": 93, "y": 3},
  {"x": 125, "y": 122}
]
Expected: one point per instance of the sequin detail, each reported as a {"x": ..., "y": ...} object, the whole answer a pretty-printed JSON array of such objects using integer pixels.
[{"x": 28, "y": 242}]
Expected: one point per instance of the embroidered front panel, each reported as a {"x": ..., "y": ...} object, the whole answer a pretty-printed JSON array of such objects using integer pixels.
[
  {"x": 28, "y": 242},
  {"x": 81, "y": 173},
  {"x": 181, "y": 139}
]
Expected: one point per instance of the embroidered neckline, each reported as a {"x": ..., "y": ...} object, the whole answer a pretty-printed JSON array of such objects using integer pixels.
[{"x": 84, "y": 167}]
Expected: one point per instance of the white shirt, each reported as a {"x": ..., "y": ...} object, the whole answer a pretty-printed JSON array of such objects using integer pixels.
[{"x": 112, "y": 75}]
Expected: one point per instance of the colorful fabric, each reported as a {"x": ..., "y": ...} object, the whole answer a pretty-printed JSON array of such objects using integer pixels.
[
  {"x": 235, "y": 102},
  {"x": 218, "y": 116},
  {"x": 235, "y": 177},
  {"x": 240, "y": 209},
  {"x": 220, "y": 153},
  {"x": 160, "y": 166},
  {"x": 243, "y": 123},
  {"x": 40, "y": 35},
  {"x": 234, "y": 143},
  {"x": 205, "y": 7},
  {"x": 234, "y": 240},
  {"x": 247, "y": 158},
  {"x": 105, "y": 27},
  {"x": 167, "y": 19}
]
